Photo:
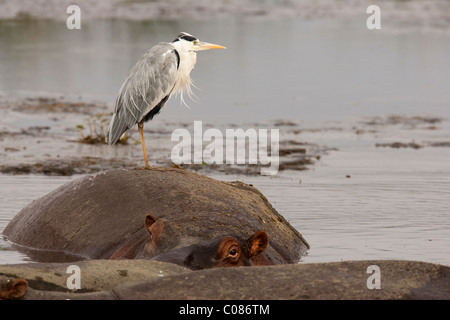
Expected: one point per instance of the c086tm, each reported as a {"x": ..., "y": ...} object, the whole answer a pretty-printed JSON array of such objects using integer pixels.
[{"x": 245, "y": 309}]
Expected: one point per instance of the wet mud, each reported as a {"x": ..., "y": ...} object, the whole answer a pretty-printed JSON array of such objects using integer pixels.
[
  {"x": 407, "y": 123},
  {"x": 53, "y": 136},
  {"x": 57, "y": 148},
  {"x": 65, "y": 167},
  {"x": 53, "y": 105},
  {"x": 414, "y": 145}
]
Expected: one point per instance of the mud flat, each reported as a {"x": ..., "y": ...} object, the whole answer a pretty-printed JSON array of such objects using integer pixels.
[
  {"x": 413, "y": 145},
  {"x": 57, "y": 137},
  {"x": 151, "y": 280}
]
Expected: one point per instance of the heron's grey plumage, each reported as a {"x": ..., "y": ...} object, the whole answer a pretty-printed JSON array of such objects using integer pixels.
[
  {"x": 150, "y": 82},
  {"x": 165, "y": 69}
]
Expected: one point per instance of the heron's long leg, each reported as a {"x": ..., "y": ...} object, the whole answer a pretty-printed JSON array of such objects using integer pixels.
[{"x": 141, "y": 132}]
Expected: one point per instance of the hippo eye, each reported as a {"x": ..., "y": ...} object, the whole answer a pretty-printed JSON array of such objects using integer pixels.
[{"x": 233, "y": 253}]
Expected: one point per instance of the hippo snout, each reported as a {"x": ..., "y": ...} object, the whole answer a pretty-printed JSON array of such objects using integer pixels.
[{"x": 162, "y": 243}]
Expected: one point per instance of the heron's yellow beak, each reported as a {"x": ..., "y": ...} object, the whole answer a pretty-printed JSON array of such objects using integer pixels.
[{"x": 207, "y": 46}]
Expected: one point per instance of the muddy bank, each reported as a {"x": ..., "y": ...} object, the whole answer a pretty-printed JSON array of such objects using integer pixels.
[
  {"x": 54, "y": 105},
  {"x": 404, "y": 120},
  {"x": 54, "y": 136},
  {"x": 414, "y": 130},
  {"x": 92, "y": 164},
  {"x": 65, "y": 167},
  {"x": 150, "y": 280},
  {"x": 414, "y": 145}
]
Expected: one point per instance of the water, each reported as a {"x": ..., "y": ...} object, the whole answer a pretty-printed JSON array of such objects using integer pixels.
[
  {"x": 394, "y": 205},
  {"x": 16, "y": 193},
  {"x": 289, "y": 69},
  {"x": 357, "y": 202},
  {"x": 365, "y": 203}
]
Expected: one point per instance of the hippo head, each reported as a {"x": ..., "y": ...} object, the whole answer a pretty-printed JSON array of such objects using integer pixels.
[
  {"x": 163, "y": 241},
  {"x": 226, "y": 251}
]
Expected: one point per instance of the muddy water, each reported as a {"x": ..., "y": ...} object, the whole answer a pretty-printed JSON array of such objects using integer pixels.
[
  {"x": 17, "y": 192},
  {"x": 330, "y": 83},
  {"x": 363, "y": 202},
  {"x": 357, "y": 202}
]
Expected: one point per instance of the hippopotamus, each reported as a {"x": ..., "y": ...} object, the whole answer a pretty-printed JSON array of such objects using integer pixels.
[
  {"x": 165, "y": 214},
  {"x": 227, "y": 251}
]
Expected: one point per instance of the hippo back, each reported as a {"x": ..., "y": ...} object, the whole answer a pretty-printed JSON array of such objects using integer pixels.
[{"x": 94, "y": 215}]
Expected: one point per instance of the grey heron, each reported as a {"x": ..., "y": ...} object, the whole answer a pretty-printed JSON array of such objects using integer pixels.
[{"x": 161, "y": 72}]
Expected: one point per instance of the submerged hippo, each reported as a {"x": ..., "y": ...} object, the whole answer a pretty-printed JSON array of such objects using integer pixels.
[
  {"x": 225, "y": 251},
  {"x": 169, "y": 214}
]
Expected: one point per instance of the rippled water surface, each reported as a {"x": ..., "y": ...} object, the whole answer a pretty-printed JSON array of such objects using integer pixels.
[
  {"x": 359, "y": 202},
  {"x": 366, "y": 203},
  {"x": 15, "y": 193}
]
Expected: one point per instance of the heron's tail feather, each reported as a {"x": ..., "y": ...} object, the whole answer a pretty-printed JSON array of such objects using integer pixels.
[{"x": 117, "y": 128}]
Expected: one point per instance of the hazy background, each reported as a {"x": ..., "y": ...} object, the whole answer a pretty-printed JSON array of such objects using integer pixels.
[{"x": 307, "y": 60}]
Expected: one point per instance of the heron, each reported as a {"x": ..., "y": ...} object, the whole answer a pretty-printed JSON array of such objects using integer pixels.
[{"x": 161, "y": 72}]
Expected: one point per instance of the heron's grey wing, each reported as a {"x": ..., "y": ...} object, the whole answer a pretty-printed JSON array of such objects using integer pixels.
[{"x": 150, "y": 81}]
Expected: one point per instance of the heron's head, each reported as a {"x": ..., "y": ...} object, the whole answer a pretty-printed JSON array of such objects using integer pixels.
[{"x": 187, "y": 42}]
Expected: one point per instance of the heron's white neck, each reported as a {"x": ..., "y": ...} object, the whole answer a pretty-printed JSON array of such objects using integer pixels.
[{"x": 188, "y": 58}]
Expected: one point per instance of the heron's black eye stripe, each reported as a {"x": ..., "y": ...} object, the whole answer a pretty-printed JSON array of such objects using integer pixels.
[
  {"x": 188, "y": 38},
  {"x": 185, "y": 37}
]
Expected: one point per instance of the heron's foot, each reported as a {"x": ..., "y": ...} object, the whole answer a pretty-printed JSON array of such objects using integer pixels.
[
  {"x": 173, "y": 168},
  {"x": 145, "y": 168}
]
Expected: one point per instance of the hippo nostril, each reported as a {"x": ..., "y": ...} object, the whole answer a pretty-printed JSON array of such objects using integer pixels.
[{"x": 248, "y": 262}]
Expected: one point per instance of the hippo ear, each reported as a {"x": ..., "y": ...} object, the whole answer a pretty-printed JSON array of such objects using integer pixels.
[
  {"x": 149, "y": 221},
  {"x": 15, "y": 291},
  {"x": 257, "y": 243},
  {"x": 18, "y": 288}
]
